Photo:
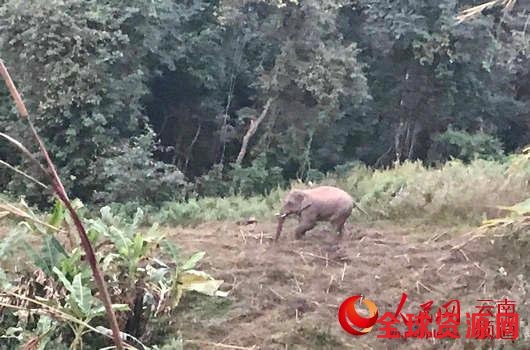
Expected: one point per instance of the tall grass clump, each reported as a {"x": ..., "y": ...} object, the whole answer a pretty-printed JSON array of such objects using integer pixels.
[
  {"x": 236, "y": 207},
  {"x": 453, "y": 192}
]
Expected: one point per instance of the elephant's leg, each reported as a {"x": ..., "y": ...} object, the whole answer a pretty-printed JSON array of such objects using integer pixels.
[
  {"x": 339, "y": 224},
  {"x": 303, "y": 228}
]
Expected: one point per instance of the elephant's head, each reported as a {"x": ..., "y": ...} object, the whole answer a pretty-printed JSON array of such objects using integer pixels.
[{"x": 295, "y": 202}]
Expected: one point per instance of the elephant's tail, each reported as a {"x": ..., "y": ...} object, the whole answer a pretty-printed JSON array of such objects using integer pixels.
[{"x": 356, "y": 205}]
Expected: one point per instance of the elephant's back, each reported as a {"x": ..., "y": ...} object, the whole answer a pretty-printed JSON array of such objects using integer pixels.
[
  {"x": 328, "y": 190},
  {"x": 330, "y": 193}
]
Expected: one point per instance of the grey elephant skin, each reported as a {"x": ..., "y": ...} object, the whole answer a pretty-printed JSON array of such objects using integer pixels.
[{"x": 324, "y": 203}]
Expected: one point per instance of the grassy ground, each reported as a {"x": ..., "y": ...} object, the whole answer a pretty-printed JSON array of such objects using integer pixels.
[{"x": 286, "y": 295}]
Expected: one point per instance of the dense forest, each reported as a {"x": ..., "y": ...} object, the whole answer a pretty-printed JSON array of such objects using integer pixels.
[
  {"x": 159, "y": 100},
  {"x": 183, "y": 131}
]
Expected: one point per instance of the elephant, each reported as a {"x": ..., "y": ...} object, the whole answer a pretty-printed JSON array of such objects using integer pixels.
[{"x": 323, "y": 203}]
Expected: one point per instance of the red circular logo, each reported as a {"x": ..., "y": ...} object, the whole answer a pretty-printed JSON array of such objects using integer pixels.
[{"x": 348, "y": 316}]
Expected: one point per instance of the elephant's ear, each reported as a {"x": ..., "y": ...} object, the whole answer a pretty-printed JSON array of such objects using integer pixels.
[{"x": 306, "y": 202}]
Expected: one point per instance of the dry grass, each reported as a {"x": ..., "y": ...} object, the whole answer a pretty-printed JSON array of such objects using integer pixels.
[
  {"x": 286, "y": 296},
  {"x": 452, "y": 194}
]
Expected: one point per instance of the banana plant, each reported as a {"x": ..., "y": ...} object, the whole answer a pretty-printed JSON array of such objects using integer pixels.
[
  {"x": 171, "y": 283},
  {"x": 82, "y": 305}
]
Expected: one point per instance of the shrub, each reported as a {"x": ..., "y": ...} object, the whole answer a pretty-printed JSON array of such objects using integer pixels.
[
  {"x": 145, "y": 273},
  {"x": 213, "y": 183},
  {"x": 257, "y": 179},
  {"x": 132, "y": 175},
  {"x": 465, "y": 146},
  {"x": 314, "y": 175},
  {"x": 453, "y": 192},
  {"x": 196, "y": 211}
]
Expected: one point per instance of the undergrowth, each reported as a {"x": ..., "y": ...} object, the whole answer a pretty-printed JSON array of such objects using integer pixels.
[
  {"x": 47, "y": 293},
  {"x": 455, "y": 193}
]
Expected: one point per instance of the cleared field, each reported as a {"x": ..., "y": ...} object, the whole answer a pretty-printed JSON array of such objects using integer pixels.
[{"x": 286, "y": 295}]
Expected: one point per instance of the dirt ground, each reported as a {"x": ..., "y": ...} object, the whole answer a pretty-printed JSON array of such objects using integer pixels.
[{"x": 286, "y": 295}]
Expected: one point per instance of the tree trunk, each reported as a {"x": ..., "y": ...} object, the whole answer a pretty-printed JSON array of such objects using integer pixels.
[
  {"x": 252, "y": 130},
  {"x": 190, "y": 148}
]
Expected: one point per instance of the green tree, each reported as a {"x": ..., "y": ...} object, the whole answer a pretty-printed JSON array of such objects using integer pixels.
[
  {"x": 83, "y": 67},
  {"x": 428, "y": 72},
  {"x": 307, "y": 76}
]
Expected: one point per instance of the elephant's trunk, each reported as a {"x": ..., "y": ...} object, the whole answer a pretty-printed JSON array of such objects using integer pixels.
[{"x": 281, "y": 220}]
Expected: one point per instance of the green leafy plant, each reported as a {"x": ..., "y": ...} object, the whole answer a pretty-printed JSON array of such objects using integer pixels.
[
  {"x": 466, "y": 146},
  {"x": 129, "y": 258},
  {"x": 132, "y": 175},
  {"x": 61, "y": 194},
  {"x": 256, "y": 179}
]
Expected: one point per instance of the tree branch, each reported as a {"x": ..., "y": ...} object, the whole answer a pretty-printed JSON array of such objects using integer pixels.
[
  {"x": 190, "y": 148},
  {"x": 252, "y": 130}
]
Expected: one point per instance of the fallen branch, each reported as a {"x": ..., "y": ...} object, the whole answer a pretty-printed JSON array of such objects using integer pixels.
[
  {"x": 406, "y": 256},
  {"x": 459, "y": 246},
  {"x": 331, "y": 280},
  {"x": 326, "y": 259},
  {"x": 464, "y": 254},
  {"x": 277, "y": 294},
  {"x": 220, "y": 345},
  {"x": 343, "y": 272},
  {"x": 437, "y": 236},
  {"x": 297, "y": 285},
  {"x": 419, "y": 284}
]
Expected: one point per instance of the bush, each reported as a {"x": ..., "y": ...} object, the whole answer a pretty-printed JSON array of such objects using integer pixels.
[
  {"x": 465, "y": 146},
  {"x": 257, "y": 179},
  {"x": 213, "y": 183},
  {"x": 196, "y": 211},
  {"x": 454, "y": 192},
  {"x": 146, "y": 276},
  {"x": 133, "y": 176}
]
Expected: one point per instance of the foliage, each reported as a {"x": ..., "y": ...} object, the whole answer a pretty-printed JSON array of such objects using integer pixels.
[
  {"x": 213, "y": 183},
  {"x": 466, "y": 146},
  {"x": 255, "y": 179},
  {"x": 517, "y": 214},
  {"x": 208, "y": 209},
  {"x": 259, "y": 178},
  {"x": 428, "y": 71},
  {"x": 413, "y": 191},
  {"x": 372, "y": 81},
  {"x": 83, "y": 68},
  {"x": 56, "y": 282},
  {"x": 133, "y": 175},
  {"x": 404, "y": 192}
]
